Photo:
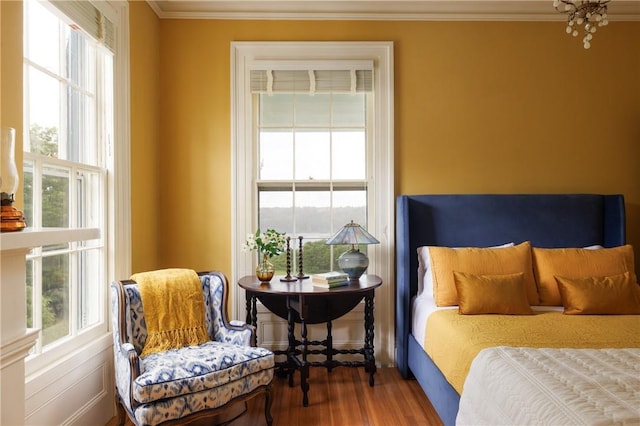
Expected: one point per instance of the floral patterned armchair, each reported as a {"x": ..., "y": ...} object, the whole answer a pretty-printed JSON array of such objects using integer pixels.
[{"x": 179, "y": 385}]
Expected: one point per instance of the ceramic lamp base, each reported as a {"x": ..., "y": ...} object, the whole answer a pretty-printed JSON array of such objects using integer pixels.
[{"x": 353, "y": 263}]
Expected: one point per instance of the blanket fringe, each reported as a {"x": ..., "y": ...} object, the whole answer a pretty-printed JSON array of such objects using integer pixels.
[{"x": 170, "y": 339}]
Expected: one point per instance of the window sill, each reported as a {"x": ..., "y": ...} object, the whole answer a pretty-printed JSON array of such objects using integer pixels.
[{"x": 41, "y": 237}]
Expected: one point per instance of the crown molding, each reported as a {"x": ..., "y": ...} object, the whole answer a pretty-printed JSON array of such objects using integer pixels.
[
  {"x": 378, "y": 10},
  {"x": 156, "y": 8}
]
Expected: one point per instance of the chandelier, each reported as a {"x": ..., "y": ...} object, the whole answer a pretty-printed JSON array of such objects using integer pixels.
[{"x": 590, "y": 13}]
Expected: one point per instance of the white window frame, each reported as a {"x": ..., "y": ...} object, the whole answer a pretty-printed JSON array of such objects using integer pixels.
[
  {"x": 117, "y": 229},
  {"x": 381, "y": 198}
]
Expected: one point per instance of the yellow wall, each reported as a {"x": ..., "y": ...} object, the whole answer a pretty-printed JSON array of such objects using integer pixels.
[
  {"x": 11, "y": 77},
  {"x": 480, "y": 107},
  {"x": 145, "y": 136}
]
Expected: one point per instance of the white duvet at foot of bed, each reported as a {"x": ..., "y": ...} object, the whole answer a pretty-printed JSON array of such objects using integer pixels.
[{"x": 508, "y": 386}]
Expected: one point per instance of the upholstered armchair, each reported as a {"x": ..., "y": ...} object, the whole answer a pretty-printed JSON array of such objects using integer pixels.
[{"x": 179, "y": 385}]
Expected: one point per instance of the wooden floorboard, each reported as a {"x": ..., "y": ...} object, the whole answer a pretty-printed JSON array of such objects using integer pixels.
[{"x": 342, "y": 398}]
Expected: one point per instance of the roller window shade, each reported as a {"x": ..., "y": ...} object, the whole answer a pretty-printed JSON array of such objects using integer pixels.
[
  {"x": 90, "y": 19},
  {"x": 311, "y": 81}
]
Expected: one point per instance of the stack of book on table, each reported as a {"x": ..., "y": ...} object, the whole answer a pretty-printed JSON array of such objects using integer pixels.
[{"x": 330, "y": 279}]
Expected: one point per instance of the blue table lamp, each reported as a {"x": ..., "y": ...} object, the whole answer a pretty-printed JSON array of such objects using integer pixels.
[{"x": 353, "y": 262}]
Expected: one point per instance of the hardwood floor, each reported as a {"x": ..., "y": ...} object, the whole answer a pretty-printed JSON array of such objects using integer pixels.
[{"x": 343, "y": 398}]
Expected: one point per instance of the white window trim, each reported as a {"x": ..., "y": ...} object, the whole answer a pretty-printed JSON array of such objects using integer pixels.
[
  {"x": 119, "y": 182},
  {"x": 118, "y": 226},
  {"x": 381, "y": 200}
]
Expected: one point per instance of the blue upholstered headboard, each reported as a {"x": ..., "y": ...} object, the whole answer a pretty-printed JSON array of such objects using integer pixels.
[{"x": 546, "y": 220}]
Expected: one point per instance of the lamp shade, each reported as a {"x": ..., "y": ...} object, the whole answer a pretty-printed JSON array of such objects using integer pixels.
[
  {"x": 353, "y": 262},
  {"x": 352, "y": 233}
]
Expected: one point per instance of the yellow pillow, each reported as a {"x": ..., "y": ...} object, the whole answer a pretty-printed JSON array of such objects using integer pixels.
[
  {"x": 492, "y": 294},
  {"x": 479, "y": 261},
  {"x": 578, "y": 263},
  {"x": 615, "y": 294}
]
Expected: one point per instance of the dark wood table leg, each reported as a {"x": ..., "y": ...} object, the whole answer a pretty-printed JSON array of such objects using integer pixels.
[
  {"x": 291, "y": 348},
  {"x": 329, "y": 347},
  {"x": 248, "y": 297},
  {"x": 304, "y": 365},
  {"x": 370, "y": 361}
]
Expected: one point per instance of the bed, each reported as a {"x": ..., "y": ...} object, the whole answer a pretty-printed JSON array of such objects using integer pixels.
[{"x": 544, "y": 221}]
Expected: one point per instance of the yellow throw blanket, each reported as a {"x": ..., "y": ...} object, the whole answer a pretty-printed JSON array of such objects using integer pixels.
[
  {"x": 173, "y": 309},
  {"x": 453, "y": 340}
]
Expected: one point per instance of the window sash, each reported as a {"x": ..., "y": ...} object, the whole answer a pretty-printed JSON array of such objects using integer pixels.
[
  {"x": 304, "y": 193},
  {"x": 85, "y": 208},
  {"x": 83, "y": 298},
  {"x": 83, "y": 117}
]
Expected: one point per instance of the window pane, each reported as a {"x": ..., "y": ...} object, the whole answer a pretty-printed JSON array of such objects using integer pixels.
[
  {"x": 55, "y": 197},
  {"x": 348, "y": 206},
  {"x": 89, "y": 190},
  {"x": 276, "y": 155},
  {"x": 316, "y": 256},
  {"x": 312, "y": 150},
  {"x": 44, "y": 114},
  {"x": 56, "y": 247},
  {"x": 80, "y": 141},
  {"x": 349, "y": 110},
  {"x": 27, "y": 191},
  {"x": 55, "y": 297},
  {"x": 313, "y": 110},
  {"x": 89, "y": 279},
  {"x": 349, "y": 155},
  {"x": 43, "y": 37},
  {"x": 81, "y": 60},
  {"x": 313, "y": 213},
  {"x": 276, "y": 110},
  {"x": 276, "y": 211}
]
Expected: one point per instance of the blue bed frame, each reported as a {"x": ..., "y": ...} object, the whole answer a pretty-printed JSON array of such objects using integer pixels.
[{"x": 546, "y": 220}]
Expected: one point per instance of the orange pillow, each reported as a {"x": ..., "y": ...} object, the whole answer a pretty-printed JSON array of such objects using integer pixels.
[
  {"x": 578, "y": 263},
  {"x": 615, "y": 294},
  {"x": 492, "y": 294},
  {"x": 479, "y": 261}
]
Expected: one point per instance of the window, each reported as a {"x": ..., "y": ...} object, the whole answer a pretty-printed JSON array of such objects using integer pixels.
[
  {"x": 313, "y": 129},
  {"x": 69, "y": 130},
  {"x": 312, "y": 146}
]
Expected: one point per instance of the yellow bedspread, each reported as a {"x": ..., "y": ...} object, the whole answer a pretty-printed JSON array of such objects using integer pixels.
[{"x": 453, "y": 340}]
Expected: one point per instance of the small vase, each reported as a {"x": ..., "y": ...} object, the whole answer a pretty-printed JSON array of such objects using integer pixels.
[{"x": 265, "y": 270}]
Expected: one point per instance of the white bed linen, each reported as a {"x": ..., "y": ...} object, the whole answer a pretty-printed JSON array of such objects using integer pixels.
[
  {"x": 423, "y": 305},
  {"x": 527, "y": 386}
]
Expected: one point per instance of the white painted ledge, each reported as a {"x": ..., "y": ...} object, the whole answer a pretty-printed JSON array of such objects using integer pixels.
[
  {"x": 17, "y": 349},
  {"x": 30, "y": 237}
]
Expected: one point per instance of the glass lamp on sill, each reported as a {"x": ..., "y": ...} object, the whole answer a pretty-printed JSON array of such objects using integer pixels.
[
  {"x": 11, "y": 219},
  {"x": 353, "y": 262}
]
